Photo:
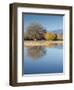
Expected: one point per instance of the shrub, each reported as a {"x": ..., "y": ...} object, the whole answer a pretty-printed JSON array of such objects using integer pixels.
[{"x": 50, "y": 36}]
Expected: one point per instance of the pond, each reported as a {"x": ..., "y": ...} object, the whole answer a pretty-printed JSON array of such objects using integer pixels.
[{"x": 43, "y": 59}]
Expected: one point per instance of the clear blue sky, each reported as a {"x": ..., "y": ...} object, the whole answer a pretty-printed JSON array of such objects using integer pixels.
[{"x": 49, "y": 22}]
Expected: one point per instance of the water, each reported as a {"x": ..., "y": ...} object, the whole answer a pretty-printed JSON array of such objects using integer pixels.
[{"x": 43, "y": 60}]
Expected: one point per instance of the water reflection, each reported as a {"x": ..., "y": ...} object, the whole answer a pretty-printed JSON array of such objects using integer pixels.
[
  {"x": 36, "y": 52},
  {"x": 40, "y": 59}
]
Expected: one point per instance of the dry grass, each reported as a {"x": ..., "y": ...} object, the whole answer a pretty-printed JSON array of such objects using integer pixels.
[{"x": 43, "y": 43}]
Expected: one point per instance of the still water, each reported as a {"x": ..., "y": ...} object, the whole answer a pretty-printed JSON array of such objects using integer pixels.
[{"x": 43, "y": 60}]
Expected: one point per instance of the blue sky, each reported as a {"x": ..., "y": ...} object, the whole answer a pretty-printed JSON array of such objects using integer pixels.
[{"x": 49, "y": 22}]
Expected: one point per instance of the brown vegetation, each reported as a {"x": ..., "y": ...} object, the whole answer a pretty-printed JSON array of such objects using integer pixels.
[{"x": 36, "y": 32}]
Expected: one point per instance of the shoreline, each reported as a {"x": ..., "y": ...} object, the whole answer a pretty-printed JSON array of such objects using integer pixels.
[{"x": 42, "y": 43}]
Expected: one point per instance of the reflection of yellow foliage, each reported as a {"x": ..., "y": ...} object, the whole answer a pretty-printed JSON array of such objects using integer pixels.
[{"x": 50, "y": 36}]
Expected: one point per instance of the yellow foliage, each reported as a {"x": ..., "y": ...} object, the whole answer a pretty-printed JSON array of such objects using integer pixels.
[{"x": 50, "y": 36}]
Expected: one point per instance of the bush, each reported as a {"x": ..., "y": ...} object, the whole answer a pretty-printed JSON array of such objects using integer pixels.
[{"x": 50, "y": 36}]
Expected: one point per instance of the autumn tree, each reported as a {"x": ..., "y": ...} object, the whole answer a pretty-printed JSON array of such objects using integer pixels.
[{"x": 50, "y": 36}]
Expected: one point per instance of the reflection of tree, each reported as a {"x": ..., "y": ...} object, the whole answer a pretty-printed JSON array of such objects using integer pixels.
[{"x": 36, "y": 52}]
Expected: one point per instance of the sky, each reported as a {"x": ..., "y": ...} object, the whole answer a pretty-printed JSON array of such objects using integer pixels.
[{"x": 49, "y": 22}]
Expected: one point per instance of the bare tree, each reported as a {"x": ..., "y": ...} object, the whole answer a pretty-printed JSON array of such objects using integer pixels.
[{"x": 35, "y": 31}]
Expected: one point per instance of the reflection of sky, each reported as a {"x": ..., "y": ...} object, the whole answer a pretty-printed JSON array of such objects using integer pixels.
[
  {"x": 49, "y": 22},
  {"x": 51, "y": 62}
]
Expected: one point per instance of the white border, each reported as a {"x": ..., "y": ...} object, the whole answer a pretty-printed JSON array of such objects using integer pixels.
[{"x": 48, "y": 77}]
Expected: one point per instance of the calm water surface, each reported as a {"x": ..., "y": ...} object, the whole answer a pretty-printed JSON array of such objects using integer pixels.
[{"x": 42, "y": 60}]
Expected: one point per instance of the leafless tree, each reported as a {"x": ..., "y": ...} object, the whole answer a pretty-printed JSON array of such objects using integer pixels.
[{"x": 35, "y": 31}]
